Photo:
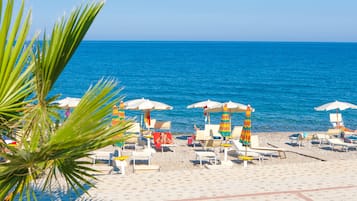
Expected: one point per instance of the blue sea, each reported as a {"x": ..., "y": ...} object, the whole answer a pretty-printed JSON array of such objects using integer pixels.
[{"x": 283, "y": 81}]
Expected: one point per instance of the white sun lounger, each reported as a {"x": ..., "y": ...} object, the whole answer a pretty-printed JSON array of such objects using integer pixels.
[
  {"x": 338, "y": 142},
  {"x": 255, "y": 146},
  {"x": 241, "y": 150}
]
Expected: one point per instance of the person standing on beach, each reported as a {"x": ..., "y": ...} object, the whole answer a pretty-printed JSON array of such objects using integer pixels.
[{"x": 67, "y": 113}]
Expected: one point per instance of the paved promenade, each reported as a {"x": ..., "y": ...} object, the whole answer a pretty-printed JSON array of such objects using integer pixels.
[{"x": 331, "y": 180}]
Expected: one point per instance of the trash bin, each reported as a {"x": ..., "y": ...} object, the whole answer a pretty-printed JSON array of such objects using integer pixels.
[{"x": 189, "y": 141}]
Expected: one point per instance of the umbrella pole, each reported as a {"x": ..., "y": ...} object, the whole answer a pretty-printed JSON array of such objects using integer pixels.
[
  {"x": 337, "y": 121},
  {"x": 208, "y": 118},
  {"x": 142, "y": 120},
  {"x": 245, "y": 162}
]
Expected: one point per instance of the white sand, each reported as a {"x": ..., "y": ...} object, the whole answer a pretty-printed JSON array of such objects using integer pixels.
[{"x": 298, "y": 177}]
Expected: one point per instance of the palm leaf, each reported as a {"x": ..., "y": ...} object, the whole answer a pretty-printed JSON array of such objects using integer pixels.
[
  {"x": 44, "y": 152},
  {"x": 66, "y": 37},
  {"x": 15, "y": 80},
  {"x": 87, "y": 129},
  {"x": 51, "y": 59}
]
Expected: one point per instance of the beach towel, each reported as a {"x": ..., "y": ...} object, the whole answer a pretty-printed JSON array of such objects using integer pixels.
[{"x": 162, "y": 138}]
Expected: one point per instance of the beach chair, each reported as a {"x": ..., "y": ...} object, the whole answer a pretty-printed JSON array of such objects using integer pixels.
[
  {"x": 152, "y": 124},
  {"x": 102, "y": 156},
  {"x": 339, "y": 142},
  {"x": 206, "y": 155},
  {"x": 133, "y": 135},
  {"x": 300, "y": 138},
  {"x": 143, "y": 156},
  {"x": 336, "y": 120},
  {"x": 162, "y": 126},
  {"x": 211, "y": 144},
  {"x": 321, "y": 138},
  {"x": 202, "y": 135},
  {"x": 162, "y": 135},
  {"x": 333, "y": 132},
  {"x": 236, "y": 132},
  {"x": 213, "y": 131},
  {"x": 255, "y": 146},
  {"x": 242, "y": 151},
  {"x": 295, "y": 139},
  {"x": 163, "y": 139}
]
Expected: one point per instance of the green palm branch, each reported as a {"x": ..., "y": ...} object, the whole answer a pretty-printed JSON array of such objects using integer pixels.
[
  {"x": 50, "y": 60},
  {"x": 85, "y": 130},
  {"x": 15, "y": 79},
  {"x": 45, "y": 153}
]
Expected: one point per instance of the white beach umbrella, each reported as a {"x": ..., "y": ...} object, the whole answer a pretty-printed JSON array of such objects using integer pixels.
[
  {"x": 336, "y": 105},
  {"x": 145, "y": 104},
  {"x": 205, "y": 104},
  {"x": 233, "y": 107},
  {"x": 68, "y": 102}
]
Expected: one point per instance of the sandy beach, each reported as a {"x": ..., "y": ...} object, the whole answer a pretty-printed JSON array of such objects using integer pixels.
[{"x": 310, "y": 172}]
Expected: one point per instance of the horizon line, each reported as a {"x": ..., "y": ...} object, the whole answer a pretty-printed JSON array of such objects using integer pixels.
[{"x": 240, "y": 41}]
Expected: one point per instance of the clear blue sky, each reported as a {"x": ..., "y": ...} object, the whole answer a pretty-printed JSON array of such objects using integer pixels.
[{"x": 218, "y": 20}]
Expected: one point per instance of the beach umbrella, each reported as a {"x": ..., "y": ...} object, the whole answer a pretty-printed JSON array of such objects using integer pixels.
[
  {"x": 115, "y": 120},
  {"x": 204, "y": 105},
  {"x": 115, "y": 116},
  {"x": 121, "y": 112},
  {"x": 225, "y": 125},
  {"x": 336, "y": 105},
  {"x": 232, "y": 107},
  {"x": 68, "y": 102},
  {"x": 146, "y": 106},
  {"x": 246, "y": 132}
]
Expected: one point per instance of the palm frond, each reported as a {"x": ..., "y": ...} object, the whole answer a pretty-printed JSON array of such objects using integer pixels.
[
  {"x": 87, "y": 129},
  {"x": 44, "y": 152},
  {"x": 15, "y": 69},
  {"x": 66, "y": 37},
  {"x": 51, "y": 59}
]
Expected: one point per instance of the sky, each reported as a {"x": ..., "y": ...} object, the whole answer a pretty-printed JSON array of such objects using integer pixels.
[{"x": 210, "y": 20}]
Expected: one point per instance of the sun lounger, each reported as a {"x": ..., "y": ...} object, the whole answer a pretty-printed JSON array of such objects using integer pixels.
[
  {"x": 321, "y": 138},
  {"x": 162, "y": 135},
  {"x": 339, "y": 142},
  {"x": 206, "y": 155},
  {"x": 213, "y": 131},
  {"x": 296, "y": 139},
  {"x": 141, "y": 155},
  {"x": 242, "y": 151},
  {"x": 236, "y": 132},
  {"x": 255, "y": 146},
  {"x": 201, "y": 136},
  {"x": 333, "y": 131},
  {"x": 163, "y": 139},
  {"x": 152, "y": 124},
  {"x": 162, "y": 126},
  {"x": 101, "y": 155},
  {"x": 211, "y": 144},
  {"x": 336, "y": 119},
  {"x": 133, "y": 134}
]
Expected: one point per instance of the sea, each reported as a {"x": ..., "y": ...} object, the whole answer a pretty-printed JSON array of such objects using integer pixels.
[{"x": 282, "y": 81}]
